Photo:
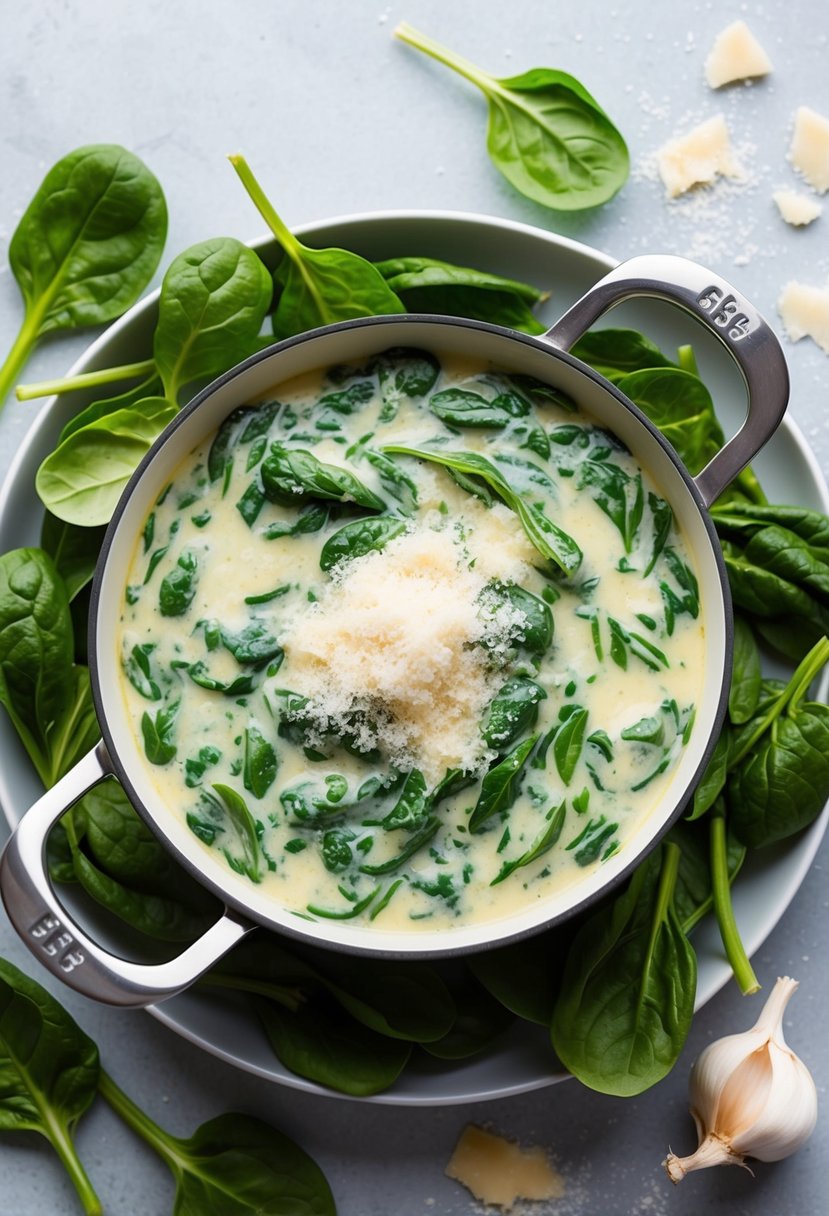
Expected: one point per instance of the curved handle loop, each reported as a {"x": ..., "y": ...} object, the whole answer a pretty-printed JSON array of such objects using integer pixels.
[
  {"x": 726, "y": 313},
  {"x": 57, "y": 940}
]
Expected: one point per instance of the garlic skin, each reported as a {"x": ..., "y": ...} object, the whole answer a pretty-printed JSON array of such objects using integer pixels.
[{"x": 751, "y": 1096}]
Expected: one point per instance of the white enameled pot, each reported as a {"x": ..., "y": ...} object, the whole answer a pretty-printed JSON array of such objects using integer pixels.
[{"x": 31, "y": 902}]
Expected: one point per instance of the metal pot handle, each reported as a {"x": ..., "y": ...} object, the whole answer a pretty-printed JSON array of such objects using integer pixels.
[
  {"x": 59, "y": 943},
  {"x": 749, "y": 340}
]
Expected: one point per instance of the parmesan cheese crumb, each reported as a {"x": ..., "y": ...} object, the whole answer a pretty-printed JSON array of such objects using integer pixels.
[
  {"x": 402, "y": 641},
  {"x": 735, "y": 55},
  {"x": 805, "y": 312},
  {"x": 498, "y": 1171},
  {"x": 697, "y": 158},
  {"x": 809, "y": 152},
  {"x": 796, "y": 209}
]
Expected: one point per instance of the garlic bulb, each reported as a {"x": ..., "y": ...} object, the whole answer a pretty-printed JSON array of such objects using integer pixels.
[{"x": 751, "y": 1096}]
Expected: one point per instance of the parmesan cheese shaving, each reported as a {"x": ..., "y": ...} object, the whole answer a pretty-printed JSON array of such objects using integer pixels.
[
  {"x": 396, "y": 641},
  {"x": 697, "y": 158},
  {"x": 809, "y": 152},
  {"x": 805, "y": 312},
  {"x": 735, "y": 55},
  {"x": 498, "y": 1171},
  {"x": 796, "y": 209}
]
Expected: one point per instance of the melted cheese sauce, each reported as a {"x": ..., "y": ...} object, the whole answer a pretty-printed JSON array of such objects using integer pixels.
[{"x": 399, "y": 709}]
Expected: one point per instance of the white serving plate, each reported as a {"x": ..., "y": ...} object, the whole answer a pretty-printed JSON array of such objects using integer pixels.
[{"x": 522, "y": 1059}]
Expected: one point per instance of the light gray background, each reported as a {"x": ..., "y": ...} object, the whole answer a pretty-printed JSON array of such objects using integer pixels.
[{"x": 336, "y": 117}]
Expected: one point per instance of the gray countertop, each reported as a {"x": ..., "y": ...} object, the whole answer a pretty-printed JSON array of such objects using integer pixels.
[{"x": 337, "y": 117}]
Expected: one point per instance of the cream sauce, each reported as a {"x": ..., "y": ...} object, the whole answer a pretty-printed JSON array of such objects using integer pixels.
[{"x": 307, "y": 694}]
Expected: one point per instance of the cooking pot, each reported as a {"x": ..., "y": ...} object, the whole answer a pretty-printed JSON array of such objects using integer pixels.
[{"x": 49, "y": 929}]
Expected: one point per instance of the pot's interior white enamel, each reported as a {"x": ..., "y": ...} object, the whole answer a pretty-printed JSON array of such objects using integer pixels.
[{"x": 356, "y": 342}]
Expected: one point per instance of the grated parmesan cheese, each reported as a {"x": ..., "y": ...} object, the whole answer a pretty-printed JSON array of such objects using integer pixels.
[
  {"x": 809, "y": 151},
  {"x": 805, "y": 312},
  {"x": 697, "y": 158},
  {"x": 394, "y": 639},
  {"x": 498, "y": 1171},
  {"x": 735, "y": 55},
  {"x": 796, "y": 209}
]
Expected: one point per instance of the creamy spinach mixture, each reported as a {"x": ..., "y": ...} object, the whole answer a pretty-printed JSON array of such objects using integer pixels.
[{"x": 411, "y": 642}]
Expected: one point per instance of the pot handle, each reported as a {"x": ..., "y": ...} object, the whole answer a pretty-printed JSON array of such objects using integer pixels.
[
  {"x": 749, "y": 340},
  {"x": 59, "y": 943}
]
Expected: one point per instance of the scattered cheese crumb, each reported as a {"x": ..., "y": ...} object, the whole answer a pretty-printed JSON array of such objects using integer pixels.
[
  {"x": 498, "y": 1171},
  {"x": 696, "y": 158},
  {"x": 805, "y": 312},
  {"x": 735, "y": 55},
  {"x": 797, "y": 209},
  {"x": 809, "y": 152}
]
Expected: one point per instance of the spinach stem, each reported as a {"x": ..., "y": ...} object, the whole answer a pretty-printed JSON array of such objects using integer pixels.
[
  {"x": 65, "y": 1149},
  {"x": 137, "y": 1120},
  {"x": 68, "y": 384},
  {"x": 687, "y": 360},
  {"x": 406, "y": 33},
  {"x": 794, "y": 691},
  {"x": 724, "y": 908},
  {"x": 19, "y": 353},
  {"x": 260, "y": 200}
]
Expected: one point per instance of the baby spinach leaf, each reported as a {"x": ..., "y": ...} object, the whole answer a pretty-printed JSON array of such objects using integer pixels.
[
  {"x": 616, "y": 353},
  {"x": 46, "y": 695},
  {"x": 96, "y": 410},
  {"x": 244, "y": 829},
  {"x": 214, "y": 298},
  {"x": 411, "y": 805},
  {"x": 360, "y": 537},
  {"x": 500, "y": 786},
  {"x": 86, "y": 246},
  {"x": 292, "y": 475},
  {"x": 568, "y": 743},
  {"x": 590, "y": 843},
  {"x": 620, "y": 496},
  {"x": 406, "y": 274},
  {"x": 138, "y": 670},
  {"x": 235, "y": 1165},
  {"x": 524, "y": 976},
  {"x": 253, "y": 644},
  {"x": 512, "y": 711},
  {"x": 159, "y": 734},
  {"x": 260, "y": 762},
  {"x": 746, "y": 676},
  {"x": 317, "y": 1043},
  {"x": 428, "y": 285},
  {"x": 74, "y": 551},
  {"x": 627, "y": 995},
  {"x": 85, "y": 475},
  {"x": 550, "y": 540},
  {"x": 544, "y": 841},
  {"x": 479, "y": 1020},
  {"x": 48, "y": 1071},
  {"x": 460, "y": 407},
  {"x": 547, "y": 135},
  {"x": 317, "y": 286},
  {"x": 713, "y": 779},
  {"x": 178, "y": 587},
  {"x": 422, "y": 832},
  {"x": 535, "y": 632}
]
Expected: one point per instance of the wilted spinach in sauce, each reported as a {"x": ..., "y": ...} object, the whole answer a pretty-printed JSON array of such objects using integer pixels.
[{"x": 410, "y": 642}]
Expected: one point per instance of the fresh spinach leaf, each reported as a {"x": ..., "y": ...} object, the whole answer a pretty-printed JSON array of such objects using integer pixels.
[
  {"x": 525, "y": 975},
  {"x": 251, "y": 861},
  {"x": 547, "y": 135},
  {"x": 317, "y": 286},
  {"x": 615, "y": 353},
  {"x": 479, "y": 1020},
  {"x": 86, "y": 246},
  {"x": 627, "y": 995},
  {"x": 260, "y": 763},
  {"x": 45, "y": 693},
  {"x": 49, "y": 1071},
  {"x": 214, "y": 298},
  {"x": 74, "y": 551},
  {"x": 746, "y": 676},
  {"x": 317, "y": 1043},
  {"x": 83, "y": 478},
  {"x": 234, "y": 1165},
  {"x": 428, "y": 285}
]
